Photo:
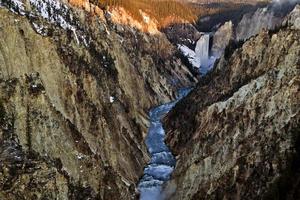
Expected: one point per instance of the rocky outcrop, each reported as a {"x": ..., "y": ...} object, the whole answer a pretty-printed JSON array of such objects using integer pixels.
[
  {"x": 268, "y": 18},
  {"x": 120, "y": 16},
  {"x": 75, "y": 90},
  {"x": 229, "y": 11},
  {"x": 252, "y": 24},
  {"x": 184, "y": 34},
  {"x": 221, "y": 39},
  {"x": 236, "y": 136},
  {"x": 293, "y": 20}
]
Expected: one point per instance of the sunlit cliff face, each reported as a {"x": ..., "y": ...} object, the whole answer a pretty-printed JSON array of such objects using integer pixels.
[
  {"x": 143, "y": 15},
  {"x": 87, "y": 6},
  {"x": 119, "y": 15}
]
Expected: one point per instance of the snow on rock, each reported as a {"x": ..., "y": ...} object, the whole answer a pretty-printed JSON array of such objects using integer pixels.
[
  {"x": 15, "y": 6},
  {"x": 190, "y": 54},
  {"x": 111, "y": 99},
  {"x": 199, "y": 58},
  {"x": 76, "y": 37},
  {"x": 53, "y": 11},
  {"x": 39, "y": 29}
]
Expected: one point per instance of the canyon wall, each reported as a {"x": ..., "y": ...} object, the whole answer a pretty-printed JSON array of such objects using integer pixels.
[
  {"x": 236, "y": 135},
  {"x": 75, "y": 89}
]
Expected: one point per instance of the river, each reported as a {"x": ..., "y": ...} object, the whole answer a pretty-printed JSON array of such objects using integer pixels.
[{"x": 162, "y": 163}]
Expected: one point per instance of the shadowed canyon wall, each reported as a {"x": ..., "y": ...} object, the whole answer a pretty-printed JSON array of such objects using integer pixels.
[{"x": 236, "y": 136}]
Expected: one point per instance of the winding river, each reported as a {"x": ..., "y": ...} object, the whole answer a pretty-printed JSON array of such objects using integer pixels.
[{"x": 162, "y": 163}]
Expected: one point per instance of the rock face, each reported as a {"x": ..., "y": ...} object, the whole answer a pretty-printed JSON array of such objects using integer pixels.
[
  {"x": 252, "y": 24},
  {"x": 269, "y": 18},
  {"x": 293, "y": 20},
  {"x": 184, "y": 34},
  {"x": 236, "y": 136},
  {"x": 75, "y": 90},
  {"x": 222, "y": 38}
]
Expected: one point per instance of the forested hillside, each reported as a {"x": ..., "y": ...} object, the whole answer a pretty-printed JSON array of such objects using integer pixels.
[
  {"x": 171, "y": 11},
  {"x": 160, "y": 10}
]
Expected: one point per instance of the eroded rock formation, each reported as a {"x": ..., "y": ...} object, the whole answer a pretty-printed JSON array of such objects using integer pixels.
[
  {"x": 236, "y": 136},
  {"x": 221, "y": 39},
  {"x": 75, "y": 90},
  {"x": 267, "y": 18}
]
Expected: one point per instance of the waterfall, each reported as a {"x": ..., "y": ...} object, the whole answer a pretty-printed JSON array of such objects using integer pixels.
[
  {"x": 202, "y": 54},
  {"x": 199, "y": 58},
  {"x": 202, "y": 50}
]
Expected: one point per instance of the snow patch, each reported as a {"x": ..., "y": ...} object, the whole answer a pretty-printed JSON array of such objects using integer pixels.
[
  {"x": 39, "y": 29},
  {"x": 199, "y": 58},
  {"x": 111, "y": 99},
  {"x": 190, "y": 54},
  {"x": 53, "y": 11}
]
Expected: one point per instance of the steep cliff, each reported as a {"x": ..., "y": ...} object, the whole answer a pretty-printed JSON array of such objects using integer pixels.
[
  {"x": 269, "y": 17},
  {"x": 75, "y": 90},
  {"x": 222, "y": 38},
  {"x": 250, "y": 24},
  {"x": 236, "y": 136}
]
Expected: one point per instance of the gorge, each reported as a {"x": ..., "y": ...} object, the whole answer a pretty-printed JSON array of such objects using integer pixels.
[
  {"x": 238, "y": 141},
  {"x": 162, "y": 161},
  {"x": 103, "y": 101},
  {"x": 72, "y": 124}
]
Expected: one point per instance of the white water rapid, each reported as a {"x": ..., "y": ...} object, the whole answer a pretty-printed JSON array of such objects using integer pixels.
[{"x": 162, "y": 161}]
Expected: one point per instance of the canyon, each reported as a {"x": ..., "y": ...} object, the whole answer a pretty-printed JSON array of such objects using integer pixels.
[
  {"x": 236, "y": 135},
  {"x": 75, "y": 93},
  {"x": 96, "y": 103}
]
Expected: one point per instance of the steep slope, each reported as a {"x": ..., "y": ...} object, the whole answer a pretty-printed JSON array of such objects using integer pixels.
[
  {"x": 269, "y": 17},
  {"x": 162, "y": 13},
  {"x": 236, "y": 136},
  {"x": 75, "y": 90}
]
